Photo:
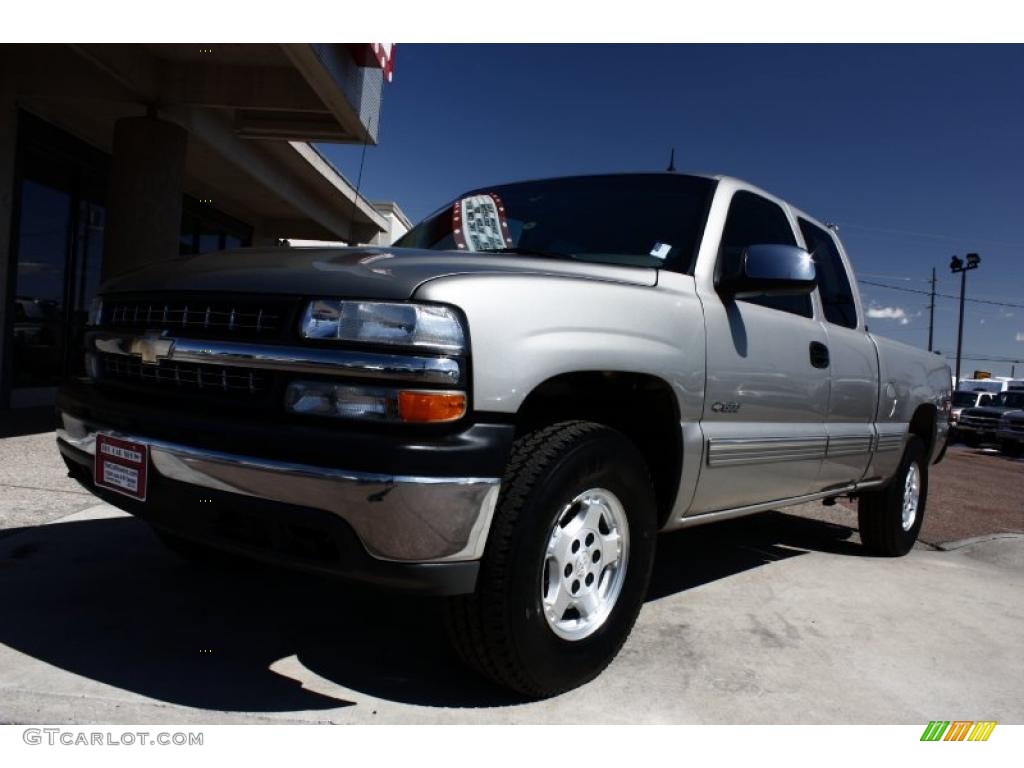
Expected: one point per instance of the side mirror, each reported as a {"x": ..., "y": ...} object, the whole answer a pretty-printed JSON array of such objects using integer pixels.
[{"x": 772, "y": 270}]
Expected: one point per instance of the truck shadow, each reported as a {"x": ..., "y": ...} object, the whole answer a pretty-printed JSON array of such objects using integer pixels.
[{"x": 101, "y": 599}]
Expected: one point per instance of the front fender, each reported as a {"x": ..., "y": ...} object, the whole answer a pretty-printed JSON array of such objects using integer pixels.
[{"x": 527, "y": 329}]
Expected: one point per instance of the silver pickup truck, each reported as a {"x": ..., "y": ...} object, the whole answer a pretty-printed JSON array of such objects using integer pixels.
[{"x": 507, "y": 406}]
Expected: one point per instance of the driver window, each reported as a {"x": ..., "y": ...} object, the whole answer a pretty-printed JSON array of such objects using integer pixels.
[
  {"x": 754, "y": 220},
  {"x": 985, "y": 400}
]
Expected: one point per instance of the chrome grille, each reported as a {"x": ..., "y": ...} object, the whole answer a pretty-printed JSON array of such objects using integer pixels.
[
  {"x": 978, "y": 421},
  {"x": 244, "y": 317},
  {"x": 211, "y": 379}
]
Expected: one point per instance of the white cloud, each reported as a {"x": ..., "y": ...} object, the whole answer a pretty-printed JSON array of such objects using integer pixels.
[
  {"x": 889, "y": 313},
  {"x": 1020, "y": 337}
]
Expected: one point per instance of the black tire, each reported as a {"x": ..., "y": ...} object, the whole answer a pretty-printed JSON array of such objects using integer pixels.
[
  {"x": 880, "y": 513},
  {"x": 1009, "y": 447},
  {"x": 501, "y": 630}
]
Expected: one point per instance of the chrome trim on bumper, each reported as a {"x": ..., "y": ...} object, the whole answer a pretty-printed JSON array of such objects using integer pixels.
[
  {"x": 332, "y": 362},
  {"x": 399, "y": 518}
]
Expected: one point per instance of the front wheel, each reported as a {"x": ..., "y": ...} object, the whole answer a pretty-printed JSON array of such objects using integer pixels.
[
  {"x": 567, "y": 563},
  {"x": 1009, "y": 447},
  {"x": 890, "y": 518}
]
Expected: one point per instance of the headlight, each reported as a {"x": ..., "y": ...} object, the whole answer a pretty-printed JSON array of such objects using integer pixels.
[
  {"x": 411, "y": 325},
  {"x": 95, "y": 316}
]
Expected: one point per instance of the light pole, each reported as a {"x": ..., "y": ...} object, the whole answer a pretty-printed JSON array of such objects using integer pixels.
[{"x": 957, "y": 264}]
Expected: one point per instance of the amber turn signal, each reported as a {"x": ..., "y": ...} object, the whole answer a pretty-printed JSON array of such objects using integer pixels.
[{"x": 422, "y": 406}]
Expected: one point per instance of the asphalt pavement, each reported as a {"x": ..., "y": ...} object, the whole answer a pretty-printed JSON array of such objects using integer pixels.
[{"x": 775, "y": 619}]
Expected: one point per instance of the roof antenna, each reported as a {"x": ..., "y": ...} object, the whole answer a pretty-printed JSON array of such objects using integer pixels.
[
  {"x": 359, "y": 183},
  {"x": 672, "y": 161}
]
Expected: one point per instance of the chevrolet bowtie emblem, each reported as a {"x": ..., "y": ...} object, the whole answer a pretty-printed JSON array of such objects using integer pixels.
[{"x": 152, "y": 347}]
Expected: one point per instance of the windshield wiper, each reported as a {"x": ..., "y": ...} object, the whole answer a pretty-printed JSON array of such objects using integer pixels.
[{"x": 528, "y": 252}]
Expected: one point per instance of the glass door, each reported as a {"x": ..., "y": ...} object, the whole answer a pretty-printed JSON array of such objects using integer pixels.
[
  {"x": 57, "y": 248},
  {"x": 44, "y": 236}
]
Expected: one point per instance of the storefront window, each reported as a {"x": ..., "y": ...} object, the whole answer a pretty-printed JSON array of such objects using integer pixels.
[
  {"x": 44, "y": 230},
  {"x": 59, "y": 222}
]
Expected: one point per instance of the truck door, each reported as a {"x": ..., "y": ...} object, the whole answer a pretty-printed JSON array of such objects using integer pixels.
[
  {"x": 766, "y": 394},
  {"x": 853, "y": 396}
]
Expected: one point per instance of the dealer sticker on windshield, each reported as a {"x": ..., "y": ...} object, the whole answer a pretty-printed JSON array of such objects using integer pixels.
[{"x": 121, "y": 466}]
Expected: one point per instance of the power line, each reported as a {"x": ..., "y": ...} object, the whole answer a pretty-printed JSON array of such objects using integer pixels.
[
  {"x": 930, "y": 235},
  {"x": 893, "y": 277},
  {"x": 940, "y": 295},
  {"x": 988, "y": 358}
]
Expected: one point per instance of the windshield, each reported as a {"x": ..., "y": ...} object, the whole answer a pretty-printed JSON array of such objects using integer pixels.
[
  {"x": 1009, "y": 399},
  {"x": 981, "y": 385},
  {"x": 640, "y": 220},
  {"x": 964, "y": 399}
]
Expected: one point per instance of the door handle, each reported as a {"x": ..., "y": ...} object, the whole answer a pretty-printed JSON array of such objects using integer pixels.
[{"x": 819, "y": 355}]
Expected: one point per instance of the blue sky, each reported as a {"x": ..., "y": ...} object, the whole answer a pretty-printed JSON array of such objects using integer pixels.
[{"x": 917, "y": 152}]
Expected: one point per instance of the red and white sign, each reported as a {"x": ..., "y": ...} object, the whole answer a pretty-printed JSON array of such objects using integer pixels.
[
  {"x": 121, "y": 466},
  {"x": 379, "y": 55}
]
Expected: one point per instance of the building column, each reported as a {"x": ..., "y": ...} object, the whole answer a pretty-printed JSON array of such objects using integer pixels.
[
  {"x": 8, "y": 146},
  {"x": 144, "y": 200}
]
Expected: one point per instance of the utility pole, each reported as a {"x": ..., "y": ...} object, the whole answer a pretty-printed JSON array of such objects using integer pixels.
[
  {"x": 956, "y": 264},
  {"x": 931, "y": 313}
]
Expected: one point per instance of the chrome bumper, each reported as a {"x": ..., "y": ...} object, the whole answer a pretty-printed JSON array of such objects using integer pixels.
[
  {"x": 1013, "y": 435},
  {"x": 397, "y": 518},
  {"x": 982, "y": 428}
]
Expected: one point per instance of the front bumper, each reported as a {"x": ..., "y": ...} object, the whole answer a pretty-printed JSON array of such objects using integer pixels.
[
  {"x": 424, "y": 533},
  {"x": 982, "y": 432},
  {"x": 1010, "y": 435}
]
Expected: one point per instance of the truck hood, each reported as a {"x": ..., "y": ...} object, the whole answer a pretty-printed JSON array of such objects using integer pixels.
[
  {"x": 371, "y": 272},
  {"x": 987, "y": 411}
]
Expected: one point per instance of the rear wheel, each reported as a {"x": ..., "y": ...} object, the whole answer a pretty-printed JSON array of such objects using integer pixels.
[
  {"x": 567, "y": 564},
  {"x": 890, "y": 519},
  {"x": 1009, "y": 447}
]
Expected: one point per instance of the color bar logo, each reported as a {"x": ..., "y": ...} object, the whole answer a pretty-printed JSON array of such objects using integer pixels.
[{"x": 958, "y": 730}]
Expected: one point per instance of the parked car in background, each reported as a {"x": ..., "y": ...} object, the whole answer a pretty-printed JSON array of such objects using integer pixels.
[
  {"x": 964, "y": 399},
  {"x": 979, "y": 425}
]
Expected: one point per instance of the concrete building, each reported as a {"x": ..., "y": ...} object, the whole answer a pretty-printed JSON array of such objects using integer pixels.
[
  {"x": 397, "y": 222},
  {"x": 113, "y": 156}
]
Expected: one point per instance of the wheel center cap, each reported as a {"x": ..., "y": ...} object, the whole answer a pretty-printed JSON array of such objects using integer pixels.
[{"x": 581, "y": 564}]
